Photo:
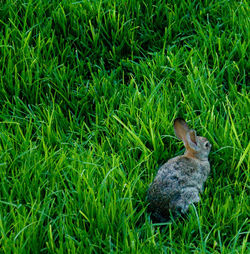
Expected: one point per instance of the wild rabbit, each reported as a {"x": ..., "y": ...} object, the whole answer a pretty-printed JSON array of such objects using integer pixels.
[{"x": 180, "y": 180}]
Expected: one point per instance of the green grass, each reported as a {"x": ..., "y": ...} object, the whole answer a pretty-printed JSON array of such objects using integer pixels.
[{"x": 88, "y": 93}]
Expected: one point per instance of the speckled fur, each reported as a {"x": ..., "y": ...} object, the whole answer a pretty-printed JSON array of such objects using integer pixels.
[{"x": 177, "y": 185}]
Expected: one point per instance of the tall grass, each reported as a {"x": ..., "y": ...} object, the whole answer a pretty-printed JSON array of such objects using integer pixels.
[{"x": 88, "y": 93}]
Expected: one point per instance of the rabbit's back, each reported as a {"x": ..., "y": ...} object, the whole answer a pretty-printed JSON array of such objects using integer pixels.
[{"x": 177, "y": 184}]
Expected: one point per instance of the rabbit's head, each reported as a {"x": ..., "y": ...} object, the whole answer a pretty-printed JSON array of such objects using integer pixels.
[{"x": 196, "y": 146}]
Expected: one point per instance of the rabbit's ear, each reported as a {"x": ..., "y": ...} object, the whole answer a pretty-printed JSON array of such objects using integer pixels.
[
  {"x": 192, "y": 139},
  {"x": 181, "y": 129}
]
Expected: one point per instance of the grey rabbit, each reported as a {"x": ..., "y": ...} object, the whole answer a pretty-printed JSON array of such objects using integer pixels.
[{"x": 180, "y": 180}]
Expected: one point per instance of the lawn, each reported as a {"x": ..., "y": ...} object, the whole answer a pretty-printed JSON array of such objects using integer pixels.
[{"x": 89, "y": 91}]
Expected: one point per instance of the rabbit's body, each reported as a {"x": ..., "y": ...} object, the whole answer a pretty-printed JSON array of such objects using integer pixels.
[
  {"x": 178, "y": 182},
  {"x": 177, "y": 185}
]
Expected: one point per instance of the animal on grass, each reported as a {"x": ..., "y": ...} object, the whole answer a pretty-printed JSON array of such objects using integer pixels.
[{"x": 179, "y": 181}]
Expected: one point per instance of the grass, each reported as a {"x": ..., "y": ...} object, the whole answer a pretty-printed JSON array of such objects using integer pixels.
[{"x": 88, "y": 93}]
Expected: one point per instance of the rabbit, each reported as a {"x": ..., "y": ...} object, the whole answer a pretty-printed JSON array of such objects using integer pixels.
[{"x": 179, "y": 181}]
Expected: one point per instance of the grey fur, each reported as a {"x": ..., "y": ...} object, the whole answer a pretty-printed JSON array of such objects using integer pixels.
[{"x": 180, "y": 180}]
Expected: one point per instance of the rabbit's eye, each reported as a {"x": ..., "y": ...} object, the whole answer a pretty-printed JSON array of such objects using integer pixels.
[{"x": 206, "y": 144}]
